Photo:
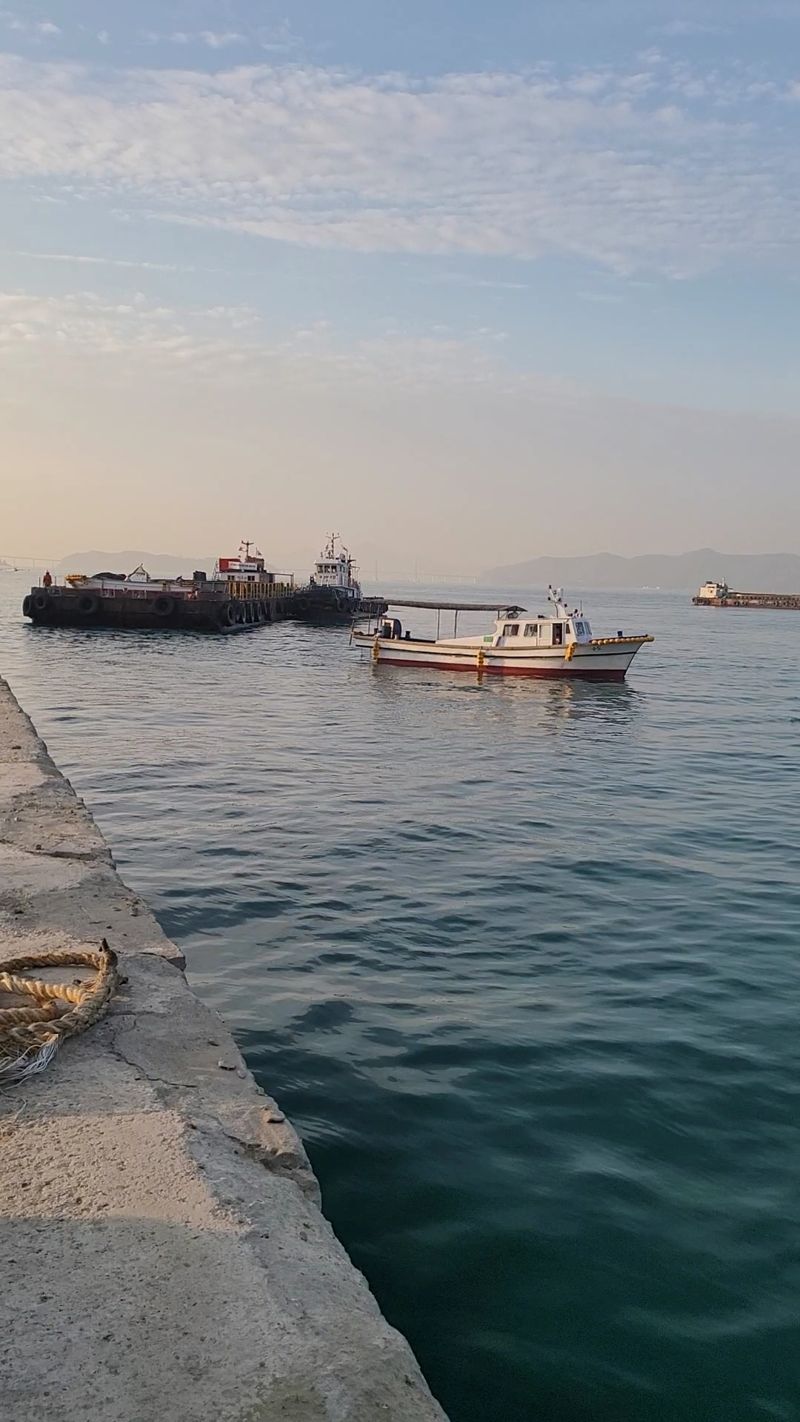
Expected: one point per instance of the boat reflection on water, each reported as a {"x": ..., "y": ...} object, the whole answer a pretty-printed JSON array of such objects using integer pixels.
[{"x": 505, "y": 703}]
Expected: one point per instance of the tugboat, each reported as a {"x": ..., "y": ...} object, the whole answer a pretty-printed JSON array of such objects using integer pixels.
[
  {"x": 333, "y": 593},
  {"x": 559, "y": 645}
]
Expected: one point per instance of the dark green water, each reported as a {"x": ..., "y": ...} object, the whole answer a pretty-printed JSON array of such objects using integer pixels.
[{"x": 520, "y": 961}]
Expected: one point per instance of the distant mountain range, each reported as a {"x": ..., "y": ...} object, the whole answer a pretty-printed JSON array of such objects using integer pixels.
[
  {"x": 95, "y": 560},
  {"x": 683, "y": 572}
]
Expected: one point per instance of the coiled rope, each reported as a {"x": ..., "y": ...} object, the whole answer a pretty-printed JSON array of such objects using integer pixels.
[{"x": 30, "y": 1036}]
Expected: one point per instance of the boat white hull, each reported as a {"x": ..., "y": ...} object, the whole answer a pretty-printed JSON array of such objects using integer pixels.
[{"x": 606, "y": 659}]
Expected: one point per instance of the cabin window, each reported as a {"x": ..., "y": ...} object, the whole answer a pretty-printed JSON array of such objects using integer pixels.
[
  {"x": 531, "y": 629},
  {"x": 511, "y": 629},
  {"x": 558, "y": 633}
]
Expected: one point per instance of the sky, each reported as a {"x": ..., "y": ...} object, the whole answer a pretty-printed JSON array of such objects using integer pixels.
[{"x": 468, "y": 283}]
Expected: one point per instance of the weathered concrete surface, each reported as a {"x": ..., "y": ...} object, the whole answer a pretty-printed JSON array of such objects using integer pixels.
[{"x": 163, "y": 1253}]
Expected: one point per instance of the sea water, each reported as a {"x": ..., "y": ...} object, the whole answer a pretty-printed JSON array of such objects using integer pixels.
[{"x": 519, "y": 959}]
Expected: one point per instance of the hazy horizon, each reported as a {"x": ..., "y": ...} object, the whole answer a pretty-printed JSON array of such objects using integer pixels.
[
  {"x": 461, "y": 286},
  {"x": 600, "y": 570}
]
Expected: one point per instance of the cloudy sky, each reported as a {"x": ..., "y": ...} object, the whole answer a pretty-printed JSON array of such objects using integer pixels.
[{"x": 467, "y": 282}]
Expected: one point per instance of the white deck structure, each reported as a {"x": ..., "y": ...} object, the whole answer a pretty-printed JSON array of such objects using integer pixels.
[{"x": 336, "y": 570}]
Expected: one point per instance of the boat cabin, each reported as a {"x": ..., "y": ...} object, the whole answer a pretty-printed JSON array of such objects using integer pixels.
[
  {"x": 713, "y": 590},
  {"x": 248, "y": 567},
  {"x": 562, "y": 626},
  {"x": 540, "y": 631},
  {"x": 334, "y": 570}
]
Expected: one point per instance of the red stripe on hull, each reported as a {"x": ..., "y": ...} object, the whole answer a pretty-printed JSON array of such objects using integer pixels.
[{"x": 593, "y": 674}]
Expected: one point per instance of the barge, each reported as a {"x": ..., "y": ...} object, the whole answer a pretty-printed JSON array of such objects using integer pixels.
[
  {"x": 240, "y": 595},
  {"x": 714, "y": 594},
  {"x": 333, "y": 592}
]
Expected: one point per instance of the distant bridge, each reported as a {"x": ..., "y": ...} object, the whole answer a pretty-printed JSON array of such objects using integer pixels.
[
  {"x": 27, "y": 560},
  {"x": 426, "y": 579}
]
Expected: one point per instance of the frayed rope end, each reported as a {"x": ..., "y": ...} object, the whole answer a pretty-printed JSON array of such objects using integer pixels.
[{"x": 16, "y": 1069}]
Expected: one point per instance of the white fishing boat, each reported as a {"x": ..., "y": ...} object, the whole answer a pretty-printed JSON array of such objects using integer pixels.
[{"x": 557, "y": 644}]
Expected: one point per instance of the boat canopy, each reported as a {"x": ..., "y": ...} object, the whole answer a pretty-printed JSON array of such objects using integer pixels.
[{"x": 503, "y": 609}]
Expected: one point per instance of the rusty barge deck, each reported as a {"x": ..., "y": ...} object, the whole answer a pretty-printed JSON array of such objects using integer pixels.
[{"x": 197, "y": 605}]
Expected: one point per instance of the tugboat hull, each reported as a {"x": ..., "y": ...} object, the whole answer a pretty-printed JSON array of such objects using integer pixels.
[{"x": 332, "y": 607}]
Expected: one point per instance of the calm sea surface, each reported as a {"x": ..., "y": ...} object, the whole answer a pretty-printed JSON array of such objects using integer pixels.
[{"x": 519, "y": 960}]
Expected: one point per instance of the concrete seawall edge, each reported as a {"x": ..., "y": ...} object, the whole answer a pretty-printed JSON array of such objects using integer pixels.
[{"x": 165, "y": 1253}]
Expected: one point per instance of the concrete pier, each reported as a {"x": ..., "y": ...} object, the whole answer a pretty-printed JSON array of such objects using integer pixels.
[{"x": 164, "y": 1254}]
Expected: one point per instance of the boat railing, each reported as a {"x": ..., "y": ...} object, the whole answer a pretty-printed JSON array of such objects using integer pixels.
[
  {"x": 243, "y": 590},
  {"x": 247, "y": 589}
]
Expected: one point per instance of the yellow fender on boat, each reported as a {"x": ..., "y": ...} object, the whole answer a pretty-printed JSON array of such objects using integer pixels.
[
  {"x": 480, "y": 659},
  {"x": 570, "y": 652},
  {"x": 615, "y": 641},
  {"x": 376, "y": 649}
]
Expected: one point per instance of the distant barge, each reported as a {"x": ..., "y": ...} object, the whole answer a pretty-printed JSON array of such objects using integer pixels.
[
  {"x": 240, "y": 595},
  {"x": 720, "y": 595}
]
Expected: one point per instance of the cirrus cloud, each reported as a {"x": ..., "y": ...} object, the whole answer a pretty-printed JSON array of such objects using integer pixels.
[
  {"x": 233, "y": 344},
  {"x": 660, "y": 168}
]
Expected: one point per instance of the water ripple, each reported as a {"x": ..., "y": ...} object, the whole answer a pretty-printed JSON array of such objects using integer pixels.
[{"x": 521, "y": 962}]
